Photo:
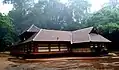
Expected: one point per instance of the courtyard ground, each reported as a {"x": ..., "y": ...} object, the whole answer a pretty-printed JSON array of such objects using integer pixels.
[{"x": 64, "y": 63}]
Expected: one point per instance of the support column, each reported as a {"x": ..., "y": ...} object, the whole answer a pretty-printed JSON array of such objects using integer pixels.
[
  {"x": 93, "y": 45},
  {"x": 59, "y": 46},
  {"x": 49, "y": 47},
  {"x": 30, "y": 45},
  {"x": 24, "y": 48},
  {"x": 35, "y": 47},
  {"x": 27, "y": 47},
  {"x": 69, "y": 48}
]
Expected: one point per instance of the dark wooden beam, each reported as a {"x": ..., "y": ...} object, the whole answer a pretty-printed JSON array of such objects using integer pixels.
[
  {"x": 35, "y": 45},
  {"x": 59, "y": 46},
  {"x": 49, "y": 47}
]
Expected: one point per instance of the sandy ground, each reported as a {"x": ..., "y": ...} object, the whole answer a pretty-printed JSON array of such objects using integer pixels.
[
  {"x": 4, "y": 63},
  {"x": 67, "y": 63}
]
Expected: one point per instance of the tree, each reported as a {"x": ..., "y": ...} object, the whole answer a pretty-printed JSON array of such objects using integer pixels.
[
  {"x": 80, "y": 9},
  {"x": 18, "y": 13},
  {"x": 103, "y": 17},
  {"x": 6, "y": 31},
  {"x": 49, "y": 14},
  {"x": 113, "y": 3},
  {"x": 107, "y": 22}
]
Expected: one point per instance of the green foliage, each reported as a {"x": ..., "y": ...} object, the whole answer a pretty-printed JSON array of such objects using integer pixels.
[
  {"x": 50, "y": 14},
  {"x": 106, "y": 20},
  {"x": 108, "y": 28},
  {"x": 104, "y": 16},
  {"x": 80, "y": 9},
  {"x": 6, "y": 30},
  {"x": 110, "y": 31}
]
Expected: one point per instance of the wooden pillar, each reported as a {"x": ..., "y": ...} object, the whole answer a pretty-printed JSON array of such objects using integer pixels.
[
  {"x": 24, "y": 47},
  {"x": 32, "y": 50},
  {"x": 27, "y": 47},
  {"x": 35, "y": 45},
  {"x": 93, "y": 45},
  {"x": 69, "y": 47},
  {"x": 30, "y": 46},
  {"x": 49, "y": 47},
  {"x": 59, "y": 46}
]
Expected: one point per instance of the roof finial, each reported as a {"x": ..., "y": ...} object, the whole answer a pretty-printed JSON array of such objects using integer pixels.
[{"x": 57, "y": 38}]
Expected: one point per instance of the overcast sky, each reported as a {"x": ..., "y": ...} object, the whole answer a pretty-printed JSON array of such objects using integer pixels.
[{"x": 96, "y": 5}]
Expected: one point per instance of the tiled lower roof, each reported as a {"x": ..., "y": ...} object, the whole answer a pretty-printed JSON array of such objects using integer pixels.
[{"x": 78, "y": 36}]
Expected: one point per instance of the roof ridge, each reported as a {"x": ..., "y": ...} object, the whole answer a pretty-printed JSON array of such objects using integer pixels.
[
  {"x": 57, "y": 30},
  {"x": 30, "y": 27},
  {"x": 82, "y": 29},
  {"x": 71, "y": 38},
  {"x": 37, "y": 34},
  {"x": 27, "y": 29},
  {"x": 89, "y": 37}
]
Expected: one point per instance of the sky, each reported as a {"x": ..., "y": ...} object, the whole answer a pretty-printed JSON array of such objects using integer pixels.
[
  {"x": 96, "y": 5},
  {"x": 5, "y": 8}
]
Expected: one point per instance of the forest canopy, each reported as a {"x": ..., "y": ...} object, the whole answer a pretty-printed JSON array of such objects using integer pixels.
[{"x": 52, "y": 14}]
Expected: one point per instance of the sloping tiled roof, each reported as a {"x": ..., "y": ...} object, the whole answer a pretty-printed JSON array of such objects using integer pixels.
[
  {"x": 78, "y": 36},
  {"x": 85, "y": 35},
  {"x": 97, "y": 38},
  {"x": 31, "y": 38},
  {"x": 32, "y": 28},
  {"x": 81, "y": 35},
  {"x": 50, "y": 35},
  {"x": 85, "y": 30}
]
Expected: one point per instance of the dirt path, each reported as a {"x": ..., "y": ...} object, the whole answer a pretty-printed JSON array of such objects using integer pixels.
[
  {"x": 67, "y": 63},
  {"x": 4, "y": 63}
]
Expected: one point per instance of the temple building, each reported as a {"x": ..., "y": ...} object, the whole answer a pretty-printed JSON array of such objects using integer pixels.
[{"x": 40, "y": 42}]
